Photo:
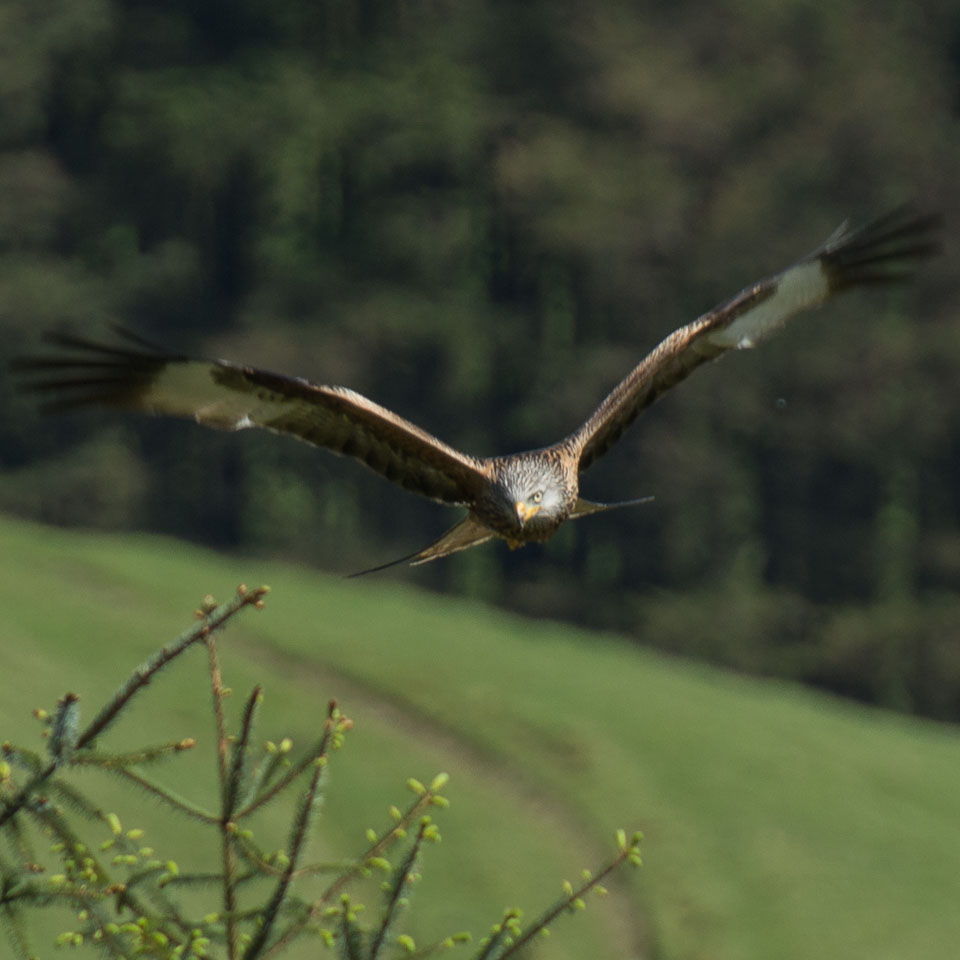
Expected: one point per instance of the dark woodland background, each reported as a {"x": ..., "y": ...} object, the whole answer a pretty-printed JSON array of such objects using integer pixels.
[{"x": 482, "y": 214}]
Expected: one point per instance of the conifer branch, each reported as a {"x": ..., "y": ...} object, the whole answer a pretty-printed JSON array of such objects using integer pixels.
[
  {"x": 238, "y": 764},
  {"x": 75, "y": 800},
  {"x": 213, "y": 619},
  {"x": 499, "y": 933},
  {"x": 351, "y": 937},
  {"x": 174, "y": 800},
  {"x": 260, "y": 779},
  {"x": 63, "y": 730},
  {"x": 19, "y": 842},
  {"x": 146, "y": 892},
  {"x": 396, "y": 889},
  {"x": 29, "y": 760},
  {"x": 573, "y": 899},
  {"x": 226, "y": 824},
  {"x": 15, "y": 931},
  {"x": 145, "y": 755},
  {"x": 319, "y": 749},
  {"x": 297, "y": 840},
  {"x": 264, "y": 864},
  {"x": 377, "y": 847}
]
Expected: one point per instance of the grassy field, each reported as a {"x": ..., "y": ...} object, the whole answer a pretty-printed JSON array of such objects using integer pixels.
[{"x": 778, "y": 823}]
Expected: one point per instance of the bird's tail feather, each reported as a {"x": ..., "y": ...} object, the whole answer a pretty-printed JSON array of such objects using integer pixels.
[
  {"x": 467, "y": 533},
  {"x": 586, "y": 507}
]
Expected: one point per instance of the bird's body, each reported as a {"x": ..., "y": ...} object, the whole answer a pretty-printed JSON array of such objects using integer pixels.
[{"x": 519, "y": 498}]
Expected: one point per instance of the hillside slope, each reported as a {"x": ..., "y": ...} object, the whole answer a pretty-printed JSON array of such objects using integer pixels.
[{"x": 778, "y": 823}]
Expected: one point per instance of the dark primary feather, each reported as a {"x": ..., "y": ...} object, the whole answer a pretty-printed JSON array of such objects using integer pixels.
[
  {"x": 90, "y": 374},
  {"x": 880, "y": 252},
  {"x": 871, "y": 254},
  {"x": 230, "y": 396}
]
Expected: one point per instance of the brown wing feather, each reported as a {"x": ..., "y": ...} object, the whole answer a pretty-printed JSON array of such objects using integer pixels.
[
  {"x": 881, "y": 252},
  {"x": 671, "y": 361},
  {"x": 232, "y": 397}
]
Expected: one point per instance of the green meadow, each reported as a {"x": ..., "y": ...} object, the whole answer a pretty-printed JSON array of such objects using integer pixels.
[{"x": 778, "y": 823}]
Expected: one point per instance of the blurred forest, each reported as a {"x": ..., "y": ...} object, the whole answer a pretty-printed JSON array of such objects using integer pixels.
[{"x": 482, "y": 214}]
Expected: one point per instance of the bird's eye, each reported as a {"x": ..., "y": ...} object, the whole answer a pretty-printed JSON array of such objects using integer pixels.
[{"x": 537, "y": 497}]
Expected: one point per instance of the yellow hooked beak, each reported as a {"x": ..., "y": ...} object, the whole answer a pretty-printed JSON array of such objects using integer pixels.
[{"x": 525, "y": 511}]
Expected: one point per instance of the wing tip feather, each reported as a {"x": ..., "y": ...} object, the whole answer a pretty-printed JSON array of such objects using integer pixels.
[
  {"x": 885, "y": 250},
  {"x": 87, "y": 372}
]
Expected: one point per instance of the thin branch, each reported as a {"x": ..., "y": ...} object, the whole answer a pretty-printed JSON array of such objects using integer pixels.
[
  {"x": 227, "y": 827},
  {"x": 499, "y": 933},
  {"x": 351, "y": 937},
  {"x": 283, "y": 782},
  {"x": 396, "y": 890},
  {"x": 573, "y": 898},
  {"x": 376, "y": 848},
  {"x": 113, "y": 761},
  {"x": 168, "y": 796},
  {"x": 214, "y": 620},
  {"x": 239, "y": 764},
  {"x": 297, "y": 842},
  {"x": 17, "y": 934},
  {"x": 140, "y": 678}
]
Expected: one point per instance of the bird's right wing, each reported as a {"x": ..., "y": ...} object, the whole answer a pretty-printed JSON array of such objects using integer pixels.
[
  {"x": 229, "y": 396},
  {"x": 881, "y": 252}
]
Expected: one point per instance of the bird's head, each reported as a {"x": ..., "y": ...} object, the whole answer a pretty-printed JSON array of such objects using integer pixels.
[
  {"x": 527, "y": 507},
  {"x": 535, "y": 496}
]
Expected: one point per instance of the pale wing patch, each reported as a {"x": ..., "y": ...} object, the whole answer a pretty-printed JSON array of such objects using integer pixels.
[
  {"x": 798, "y": 288},
  {"x": 194, "y": 390}
]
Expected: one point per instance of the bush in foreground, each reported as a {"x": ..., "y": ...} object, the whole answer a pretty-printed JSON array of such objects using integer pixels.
[{"x": 59, "y": 848}]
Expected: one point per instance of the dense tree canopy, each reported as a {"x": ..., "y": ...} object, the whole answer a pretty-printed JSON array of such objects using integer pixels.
[{"x": 482, "y": 214}]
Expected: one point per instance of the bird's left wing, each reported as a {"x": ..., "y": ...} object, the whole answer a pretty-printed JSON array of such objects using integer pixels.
[
  {"x": 881, "y": 252},
  {"x": 229, "y": 396}
]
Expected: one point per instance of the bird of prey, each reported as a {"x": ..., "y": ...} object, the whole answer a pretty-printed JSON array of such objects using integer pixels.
[{"x": 519, "y": 498}]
